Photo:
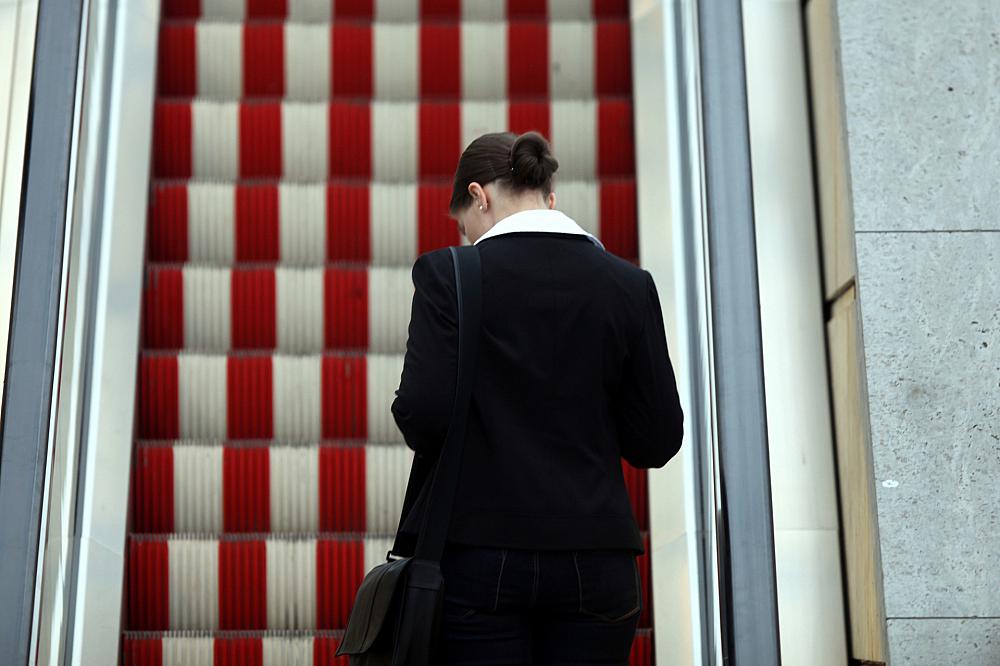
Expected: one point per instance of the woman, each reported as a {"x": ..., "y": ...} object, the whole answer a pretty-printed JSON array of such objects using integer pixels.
[{"x": 573, "y": 374}]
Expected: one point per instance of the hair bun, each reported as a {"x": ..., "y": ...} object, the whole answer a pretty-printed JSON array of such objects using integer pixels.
[{"x": 532, "y": 160}]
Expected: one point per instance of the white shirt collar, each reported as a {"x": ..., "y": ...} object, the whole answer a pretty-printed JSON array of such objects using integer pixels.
[{"x": 539, "y": 219}]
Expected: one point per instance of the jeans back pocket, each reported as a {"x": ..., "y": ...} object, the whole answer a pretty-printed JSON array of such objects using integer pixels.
[{"x": 608, "y": 583}]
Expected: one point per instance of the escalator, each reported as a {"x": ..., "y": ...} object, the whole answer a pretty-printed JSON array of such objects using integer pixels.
[{"x": 302, "y": 159}]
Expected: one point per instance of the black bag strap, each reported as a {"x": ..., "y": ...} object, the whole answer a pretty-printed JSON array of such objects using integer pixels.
[{"x": 444, "y": 482}]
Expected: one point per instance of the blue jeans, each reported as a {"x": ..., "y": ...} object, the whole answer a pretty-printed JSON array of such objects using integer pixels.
[{"x": 508, "y": 606}]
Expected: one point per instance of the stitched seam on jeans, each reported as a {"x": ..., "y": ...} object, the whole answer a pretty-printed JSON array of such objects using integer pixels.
[
  {"x": 503, "y": 560},
  {"x": 579, "y": 584}
]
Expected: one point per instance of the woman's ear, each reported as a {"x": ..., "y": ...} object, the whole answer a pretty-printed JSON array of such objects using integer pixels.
[
  {"x": 552, "y": 199},
  {"x": 477, "y": 193}
]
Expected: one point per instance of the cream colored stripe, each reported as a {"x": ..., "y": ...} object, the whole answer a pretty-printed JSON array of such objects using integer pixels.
[
  {"x": 571, "y": 59},
  {"x": 202, "y": 396},
  {"x": 287, "y": 651},
  {"x": 304, "y": 145},
  {"x": 300, "y": 309},
  {"x": 484, "y": 60},
  {"x": 215, "y": 144},
  {"x": 395, "y": 49},
  {"x": 307, "y": 60},
  {"x": 207, "y": 314},
  {"x": 188, "y": 651},
  {"x": 197, "y": 488},
  {"x": 291, "y": 584},
  {"x": 219, "y": 59},
  {"x": 580, "y": 200},
  {"x": 294, "y": 488},
  {"x": 396, "y": 10},
  {"x": 223, "y": 9},
  {"x": 211, "y": 223},
  {"x": 393, "y": 217},
  {"x": 297, "y": 393},
  {"x": 483, "y": 10},
  {"x": 302, "y": 223},
  {"x": 480, "y": 117},
  {"x": 561, "y": 10},
  {"x": 310, "y": 10},
  {"x": 194, "y": 583},
  {"x": 390, "y": 294},
  {"x": 384, "y": 371},
  {"x": 574, "y": 138},
  {"x": 387, "y": 468},
  {"x": 375, "y": 550}
]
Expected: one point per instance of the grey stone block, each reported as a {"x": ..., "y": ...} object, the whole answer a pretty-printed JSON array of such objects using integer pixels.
[
  {"x": 934, "y": 642},
  {"x": 921, "y": 82},
  {"x": 930, "y": 305}
]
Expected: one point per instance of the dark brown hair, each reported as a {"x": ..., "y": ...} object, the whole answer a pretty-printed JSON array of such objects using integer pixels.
[{"x": 518, "y": 161}]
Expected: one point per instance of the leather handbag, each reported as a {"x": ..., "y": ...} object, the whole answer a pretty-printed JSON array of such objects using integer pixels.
[{"x": 396, "y": 616}]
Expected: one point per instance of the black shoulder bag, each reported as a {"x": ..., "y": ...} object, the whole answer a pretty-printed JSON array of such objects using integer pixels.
[{"x": 395, "y": 620}]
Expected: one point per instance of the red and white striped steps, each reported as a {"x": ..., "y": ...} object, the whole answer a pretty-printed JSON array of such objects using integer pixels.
[
  {"x": 254, "y": 581},
  {"x": 303, "y": 156},
  {"x": 346, "y": 222},
  {"x": 199, "y": 487},
  {"x": 270, "y": 648}
]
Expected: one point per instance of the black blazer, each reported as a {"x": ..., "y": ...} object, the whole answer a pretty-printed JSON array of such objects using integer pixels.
[{"x": 573, "y": 374}]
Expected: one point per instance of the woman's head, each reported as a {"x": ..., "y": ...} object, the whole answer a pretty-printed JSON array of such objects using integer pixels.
[{"x": 498, "y": 174}]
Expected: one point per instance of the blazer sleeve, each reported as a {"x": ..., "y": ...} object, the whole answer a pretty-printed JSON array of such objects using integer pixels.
[
  {"x": 425, "y": 397},
  {"x": 648, "y": 413}
]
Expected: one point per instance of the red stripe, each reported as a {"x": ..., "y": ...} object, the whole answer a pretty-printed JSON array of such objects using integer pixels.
[
  {"x": 615, "y": 149},
  {"x": 148, "y": 586},
  {"x": 252, "y": 305},
  {"x": 636, "y": 485},
  {"x": 339, "y": 572},
  {"x": 345, "y": 308},
  {"x": 246, "y": 484},
  {"x": 181, "y": 8},
  {"x": 608, "y": 8},
  {"x": 434, "y": 228},
  {"x": 525, "y": 116},
  {"x": 257, "y": 233},
  {"x": 350, "y": 140},
  {"x": 642, "y": 650},
  {"x": 527, "y": 9},
  {"x": 176, "y": 61},
  {"x": 168, "y": 223},
  {"x": 238, "y": 652},
  {"x": 644, "y": 578},
  {"x": 143, "y": 651},
  {"x": 264, "y": 58},
  {"x": 613, "y": 58},
  {"x": 342, "y": 489},
  {"x": 353, "y": 9},
  {"x": 440, "y": 138},
  {"x": 344, "y": 397},
  {"x": 440, "y": 60},
  {"x": 248, "y": 397},
  {"x": 267, "y": 8},
  {"x": 441, "y": 9},
  {"x": 158, "y": 406},
  {"x": 351, "y": 52},
  {"x": 153, "y": 490},
  {"x": 348, "y": 231},
  {"x": 163, "y": 309},
  {"x": 260, "y": 140},
  {"x": 242, "y": 589},
  {"x": 172, "y": 140},
  {"x": 528, "y": 59},
  {"x": 619, "y": 221},
  {"x": 325, "y": 651}
]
